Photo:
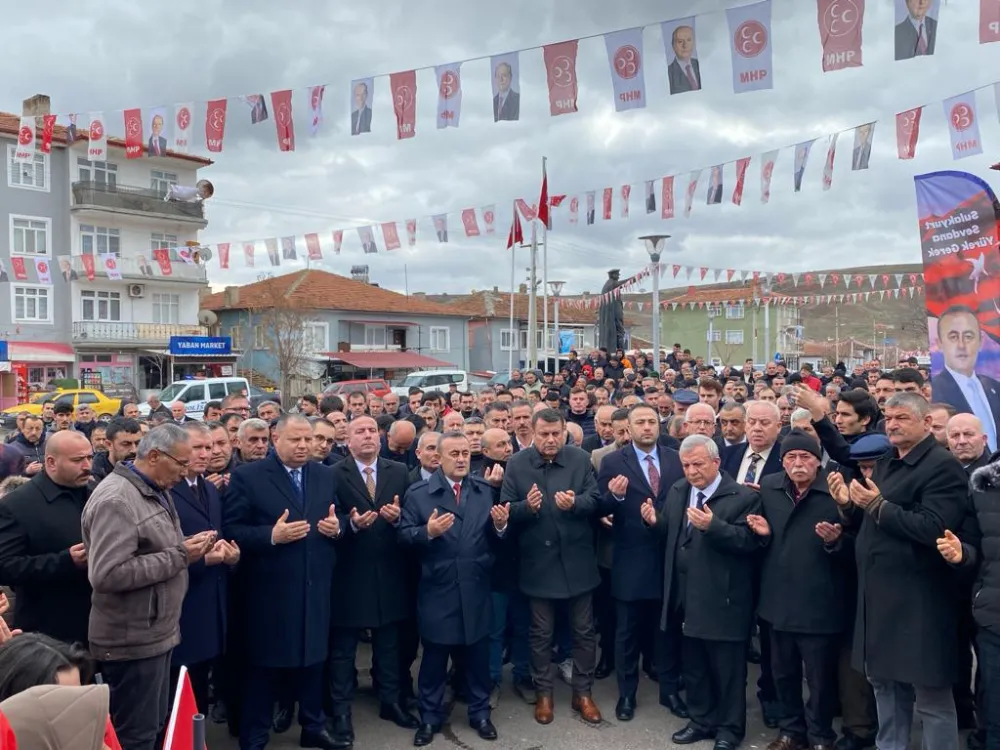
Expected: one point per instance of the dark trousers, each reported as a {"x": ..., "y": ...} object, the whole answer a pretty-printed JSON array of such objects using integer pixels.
[
  {"x": 765, "y": 683},
  {"x": 858, "y": 714},
  {"x": 234, "y": 663},
  {"x": 140, "y": 699},
  {"x": 543, "y": 624},
  {"x": 385, "y": 665},
  {"x": 199, "y": 683},
  {"x": 965, "y": 701},
  {"x": 264, "y": 685},
  {"x": 433, "y": 676},
  {"x": 605, "y": 615},
  {"x": 989, "y": 670},
  {"x": 816, "y": 655},
  {"x": 409, "y": 645},
  {"x": 668, "y": 655},
  {"x": 636, "y": 624},
  {"x": 715, "y": 677}
]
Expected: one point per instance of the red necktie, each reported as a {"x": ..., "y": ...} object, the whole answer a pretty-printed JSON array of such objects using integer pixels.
[
  {"x": 654, "y": 476},
  {"x": 458, "y": 492},
  {"x": 921, "y": 41},
  {"x": 691, "y": 79}
]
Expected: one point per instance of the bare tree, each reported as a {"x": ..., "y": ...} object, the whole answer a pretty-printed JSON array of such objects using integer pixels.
[
  {"x": 724, "y": 351},
  {"x": 284, "y": 323}
]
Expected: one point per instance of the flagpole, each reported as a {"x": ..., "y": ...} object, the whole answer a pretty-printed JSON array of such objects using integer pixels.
[
  {"x": 533, "y": 299},
  {"x": 515, "y": 337},
  {"x": 545, "y": 275}
]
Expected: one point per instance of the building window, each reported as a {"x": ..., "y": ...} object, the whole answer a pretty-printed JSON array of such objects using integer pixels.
[
  {"x": 158, "y": 240},
  {"x": 314, "y": 337},
  {"x": 100, "y": 173},
  {"x": 32, "y": 304},
  {"x": 735, "y": 312},
  {"x": 375, "y": 336},
  {"x": 29, "y": 235},
  {"x": 440, "y": 339},
  {"x": 166, "y": 308},
  {"x": 102, "y": 306},
  {"x": 161, "y": 181},
  {"x": 236, "y": 334},
  {"x": 714, "y": 335},
  {"x": 506, "y": 340},
  {"x": 734, "y": 337},
  {"x": 34, "y": 176},
  {"x": 259, "y": 340},
  {"x": 100, "y": 240}
]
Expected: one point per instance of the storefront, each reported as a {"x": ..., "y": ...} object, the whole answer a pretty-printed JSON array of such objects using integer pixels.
[
  {"x": 29, "y": 367},
  {"x": 202, "y": 356},
  {"x": 112, "y": 373}
]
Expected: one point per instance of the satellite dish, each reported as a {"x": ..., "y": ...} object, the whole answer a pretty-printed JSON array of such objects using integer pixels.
[
  {"x": 205, "y": 253},
  {"x": 207, "y": 318}
]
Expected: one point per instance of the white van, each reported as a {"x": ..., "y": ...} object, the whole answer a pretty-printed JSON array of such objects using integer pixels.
[
  {"x": 194, "y": 394},
  {"x": 433, "y": 380}
]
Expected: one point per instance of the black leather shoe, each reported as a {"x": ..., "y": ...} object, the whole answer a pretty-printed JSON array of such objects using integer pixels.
[
  {"x": 219, "y": 713},
  {"x": 425, "y": 734},
  {"x": 343, "y": 728},
  {"x": 397, "y": 714},
  {"x": 851, "y": 742},
  {"x": 724, "y": 745},
  {"x": 625, "y": 708},
  {"x": 691, "y": 734},
  {"x": 323, "y": 740},
  {"x": 604, "y": 668},
  {"x": 676, "y": 706},
  {"x": 771, "y": 711},
  {"x": 485, "y": 729},
  {"x": 282, "y": 721}
]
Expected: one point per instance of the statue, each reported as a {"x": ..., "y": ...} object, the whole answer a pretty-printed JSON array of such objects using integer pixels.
[{"x": 611, "y": 318}]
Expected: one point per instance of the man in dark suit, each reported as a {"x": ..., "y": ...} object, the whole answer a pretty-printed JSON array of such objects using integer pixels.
[
  {"x": 361, "y": 114},
  {"x": 451, "y": 523},
  {"x": 605, "y": 430},
  {"x": 203, "y": 615},
  {"x": 369, "y": 590},
  {"x": 708, "y": 585},
  {"x": 917, "y": 33},
  {"x": 157, "y": 145},
  {"x": 958, "y": 384},
  {"x": 280, "y": 511},
  {"x": 684, "y": 73},
  {"x": 862, "y": 146},
  {"x": 507, "y": 101},
  {"x": 628, "y": 477}
]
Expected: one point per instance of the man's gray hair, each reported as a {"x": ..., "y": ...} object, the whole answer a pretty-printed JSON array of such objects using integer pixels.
[
  {"x": 194, "y": 426},
  {"x": 913, "y": 402},
  {"x": 700, "y": 441},
  {"x": 771, "y": 406},
  {"x": 163, "y": 439},
  {"x": 453, "y": 435},
  {"x": 801, "y": 414},
  {"x": 427, "y": 438},
  {"x": 275, "y": 404},
  {"x": 693, "y": 407},
  {"x": 251, "y": 424},
  {"x": 733, "y": 406}
]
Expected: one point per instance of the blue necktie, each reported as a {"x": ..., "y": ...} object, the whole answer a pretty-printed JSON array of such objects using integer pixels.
[{"x": 296, "y": 475}]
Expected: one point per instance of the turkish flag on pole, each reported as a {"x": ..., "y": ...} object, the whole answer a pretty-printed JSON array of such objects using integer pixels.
[
  {"x": 741, "y": 175},
  {"x": 908, "y": 132},
  {"x": 544, "y": 214},
  {"x": 281, "y": 106},
  {"x": 313, "y": 248},
  {"x": 989, "y": 21},
  {"x": 404, "y": 102},
  {"x": 516, "y": 236},
  {"x": 48, "y": 126},
  {"x": 560, "y": 70},
  {"x": 223, "y": 248},
  {"x": 215, "y": 125},
  {"x": 180, "y": 728},
  {"x": 162, "y": 257},
  {"x": 840, "y": 23},
  {"x": 133, "y": 133}
]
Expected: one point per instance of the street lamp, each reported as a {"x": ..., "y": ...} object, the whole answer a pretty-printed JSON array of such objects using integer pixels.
[
  {"x": 654, "y": 246},
  {"x": 556, "y": 288},
  {"x": 712, "y": 312}
]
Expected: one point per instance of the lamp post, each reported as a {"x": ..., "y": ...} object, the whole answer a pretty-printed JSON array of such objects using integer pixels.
[
  {"x": 712, "y": 312},
  {"x": 654, "y": 246},
  {"x": 556, "y": 288}
]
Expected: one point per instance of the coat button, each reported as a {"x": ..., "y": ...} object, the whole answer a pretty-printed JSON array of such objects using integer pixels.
[{"x": 548, "y": 543}]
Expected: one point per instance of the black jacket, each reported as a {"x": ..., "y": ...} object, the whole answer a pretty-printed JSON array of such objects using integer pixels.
[
  {"x": 733, "y": 455},
  {"x": 556, "y": 547},
  {"x": 718, "y": 596},
  {"x": 803, "y": 582},
  {"x": 982, "y": 548},
  {"x": 904, "y": 585},
  {"x": 39, "y": 522}
]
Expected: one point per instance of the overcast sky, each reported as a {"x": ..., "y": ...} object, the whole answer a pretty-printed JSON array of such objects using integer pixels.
[{"x": 110, "y": 56}]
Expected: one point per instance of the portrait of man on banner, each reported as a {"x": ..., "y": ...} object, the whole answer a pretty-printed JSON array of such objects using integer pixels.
[
  {"x": 367, "y": 236},
  {"x": 715, "y": 186},
  {"x": 66, "y": 268},
  {"x": 916, "y": 27},
  {"x": 3, "y": 272},
  {"x": 258, "y": 108},
  {"x": 361, "y": 105},
  {"x": 650, "y": 197},
  {"x": 506, "y": 88},
  {"x": 684, "y": 70},
  {"x": 156, "y": 145},
  {"x": 962, "y": 286},
  {"x": 144, "y": 268},
  {"x": 863, "y": 135}
]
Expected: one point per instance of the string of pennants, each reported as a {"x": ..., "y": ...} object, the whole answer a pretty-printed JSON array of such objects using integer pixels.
[{"x": 839, "y": 23}]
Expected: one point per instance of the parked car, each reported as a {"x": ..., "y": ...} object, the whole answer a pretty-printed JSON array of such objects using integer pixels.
[
  {"x": 344, "y": 388},
  {"x": 195, "y": 393},
  {"x": 433, "y": 380},
  {"x": 104, "y": 408}
]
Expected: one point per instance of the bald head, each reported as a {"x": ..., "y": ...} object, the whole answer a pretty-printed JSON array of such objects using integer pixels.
[
  {"x": 401, "y": 435},
  {"x": 966, "y": 438},
  {"x": 68, "y": 458},
  {"x": 497, "y": 445},
  {"x": 59, "y": 443}
]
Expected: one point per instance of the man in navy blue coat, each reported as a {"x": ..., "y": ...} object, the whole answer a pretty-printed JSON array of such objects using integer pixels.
[
  {"x": 451, "y": 523},
  {"x": 203, "y": 615},
  {"x": 280, "y": 511},
  {"x": 638, "y": 472}
]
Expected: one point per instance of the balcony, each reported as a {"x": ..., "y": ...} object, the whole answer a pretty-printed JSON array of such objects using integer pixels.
[
  {"x": 132, "y": 270},
  {"x": 153, "y": 335},
  {"x": 134, "y": 201}
]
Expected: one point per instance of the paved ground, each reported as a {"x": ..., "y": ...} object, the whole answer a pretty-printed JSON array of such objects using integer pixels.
[{"x": 650, "y": 730}]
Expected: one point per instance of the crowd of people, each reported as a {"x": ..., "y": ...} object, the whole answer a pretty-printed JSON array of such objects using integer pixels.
[{"x": 614, "y": 518}]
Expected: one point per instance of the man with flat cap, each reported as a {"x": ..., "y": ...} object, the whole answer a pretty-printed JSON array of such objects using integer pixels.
[{"x": 612, "y": 316}]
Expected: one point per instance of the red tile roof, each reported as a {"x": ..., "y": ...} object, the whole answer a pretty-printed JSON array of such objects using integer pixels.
[
  {"x": 387, "y": 360},
  {"x": 490, "y": 304},
  {"x": 10, "y": 124},
  {"x": 321, "y": 290}
]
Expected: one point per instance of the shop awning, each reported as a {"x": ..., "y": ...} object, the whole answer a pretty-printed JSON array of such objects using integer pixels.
[
  {"x": 166, "y": 353},
  {"x": 40, "y": 351},
  {"x": 387, "y": 360}
]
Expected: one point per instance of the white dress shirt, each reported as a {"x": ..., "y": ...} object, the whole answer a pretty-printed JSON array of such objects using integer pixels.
[
  {"x": 642, "y": 457},
  {"x": 745, "y": 463},
  {"x": 972, "y": 389},
  {"x": 707, "y": 492}
]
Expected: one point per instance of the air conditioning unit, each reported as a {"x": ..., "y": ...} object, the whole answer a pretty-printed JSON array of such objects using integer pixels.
[{"x": 136, "y": 290}]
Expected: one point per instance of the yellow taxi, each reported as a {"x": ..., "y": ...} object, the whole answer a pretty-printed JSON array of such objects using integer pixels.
[{"x": 104, "y": 408}]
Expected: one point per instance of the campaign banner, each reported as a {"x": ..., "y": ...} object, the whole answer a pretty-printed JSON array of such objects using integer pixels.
[
  {"x": 750, "y": 32},
  {"x": 89, "y": 268},
  {"x": 469, "y": 222},
  {"x": 591, "y": 201},
  {"x": 24, "y": 152},
  {"x": 404, "y": 102},
  {"x": 560, "y": 72},
  {"x": 48, "y": 127},
  {"x": 281, "y": 105},
  {"x": 288, "y": 251},
  {"x": 248, "y": 253},
  {"x": 681, "y": 47},
  {"x": 626, "y": 193},
  {"x": 183, "y": 116},
  {"x": 840, "y": 23},
  {"x": 715, "y": 186},
  {"x": 667, "y": 198},
  {"x": 44, "y": 271},
  {"x": 449, "y": 106},
  {"x": 689, "y": 194},
  {"x": 767, "y": 162},
  {"x": 133, "y": 133},
  {"x": 223, "y": 251},
  {"x": 741, "y": 175},
  {"x": 574, "y": 210},
  {"x": 338, "y": 240},
  {"x": 215, "y": 125},
  {"x": 390, "y": 236},
  {"x": 97, "y": 146},
  {"x": 628, "y": 77},
  {"x": 650, "y": 196},
  {"x": 831, "y": 155},
  {"x": 314, "y": 251},
  {"x": 908, "y": 132},
  {"x": 367, "y": 237},
  {"x": 110, "y": 263},
  {"x": 20, "y": 268},
  {"x": 489, "y": 218},
  {"x": 989, "y": 21},
  {"x": 162, "y": 257},
  {"x": 362, "y": 90},
  {"x": 316, "y": 108},
  {"x": 506, "y": 87},
  {"x": 963, "y": 125},
  {"x": 957, "y": 214},
  {"x": 802, "y": 151},
  {"x": 271, "y": 246},
  {"x": 606, "y": 200}
]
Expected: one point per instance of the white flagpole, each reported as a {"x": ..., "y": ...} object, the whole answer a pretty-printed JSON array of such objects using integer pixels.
[
  {"x": 514, "y": 335},
  {"x": 545, "y": 280}
]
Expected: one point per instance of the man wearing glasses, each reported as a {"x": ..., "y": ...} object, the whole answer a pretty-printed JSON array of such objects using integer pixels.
[{"x": 236, "y": 403}]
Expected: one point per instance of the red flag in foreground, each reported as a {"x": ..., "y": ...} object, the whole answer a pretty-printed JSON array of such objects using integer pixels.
[
  {"x": 180, "y": 729},
  {"x": 516, "y": 236}
]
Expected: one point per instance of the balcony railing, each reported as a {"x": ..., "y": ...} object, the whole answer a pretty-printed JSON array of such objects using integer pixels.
[
  {"x": 132, "y": 270},
  {"x": 149, "y": 334},
  {"x": 128, "y": 198}
]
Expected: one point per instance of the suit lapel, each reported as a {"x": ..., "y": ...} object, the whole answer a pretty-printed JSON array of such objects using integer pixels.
[
  {"x": 381, "y": 481},
  {"x": 282, "y": 482},
  {"x": 186, "y": 494},
  {"x": 446, "y": 495},
  {"x": 350, "y": 468},
  {"x": 632, "y": 462}
]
